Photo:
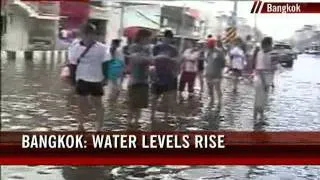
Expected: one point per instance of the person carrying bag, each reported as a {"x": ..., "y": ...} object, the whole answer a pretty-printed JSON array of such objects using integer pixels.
[{"x": 68, "y": 72}]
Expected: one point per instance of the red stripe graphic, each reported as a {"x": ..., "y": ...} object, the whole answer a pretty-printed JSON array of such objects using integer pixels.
[
  {"x": 258, "y": 7},
  {"x": 56, "y": 0},
  {"x": 254, "y": 6},
  {"x": 290, "y": 7}
]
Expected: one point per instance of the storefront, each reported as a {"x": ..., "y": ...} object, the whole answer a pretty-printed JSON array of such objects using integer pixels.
[
  {"x": 23, "y": 31},
  {"x": 99, "y": 17}
]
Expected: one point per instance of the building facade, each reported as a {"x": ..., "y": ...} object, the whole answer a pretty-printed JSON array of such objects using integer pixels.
[
  {"x": 30, "y": 25},
  {"x": 182, "y": 20}
]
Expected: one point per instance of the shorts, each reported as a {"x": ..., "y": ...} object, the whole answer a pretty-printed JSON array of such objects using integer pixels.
[
  {"x": 236, "y": 72},
  {"x": 201, "y": 65},
  {"x": 175, "y": 84},
  {"x": 138, "y": 95},
  {"x": 158, "y": 89},
  {"x": 84, "y": 88},
  {"x": 211, "y": 80}
]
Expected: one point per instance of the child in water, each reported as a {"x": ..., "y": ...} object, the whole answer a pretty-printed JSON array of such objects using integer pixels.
[{"x": 115, "y": 68}]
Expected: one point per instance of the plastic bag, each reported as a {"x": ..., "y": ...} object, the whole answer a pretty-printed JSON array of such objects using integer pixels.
[{"x": 65, "y": 73}]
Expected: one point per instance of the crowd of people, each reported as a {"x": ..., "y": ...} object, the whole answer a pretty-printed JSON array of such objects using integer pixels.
[{"x": 159, "y": 71}]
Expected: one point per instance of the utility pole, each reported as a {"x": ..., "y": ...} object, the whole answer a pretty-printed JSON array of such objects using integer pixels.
[
  {"x": 181, "y": 27},
  {"x": 255, "y": 28},
  {"x": 234, "y": 14},
  {"x": 122, "y": 10}
]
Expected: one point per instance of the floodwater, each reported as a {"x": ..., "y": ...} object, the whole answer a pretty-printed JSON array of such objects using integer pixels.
[{"x": 34, "y": 99}]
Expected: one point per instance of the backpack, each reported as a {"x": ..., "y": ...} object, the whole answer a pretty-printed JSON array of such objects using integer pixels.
[{"x": 115, "y": 68}]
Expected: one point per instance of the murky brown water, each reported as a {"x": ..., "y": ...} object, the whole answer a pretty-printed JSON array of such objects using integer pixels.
[{"x": 34, "y": 99}]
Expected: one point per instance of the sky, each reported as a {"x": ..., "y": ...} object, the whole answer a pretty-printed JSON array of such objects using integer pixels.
[{"x": 279, "y": 26}]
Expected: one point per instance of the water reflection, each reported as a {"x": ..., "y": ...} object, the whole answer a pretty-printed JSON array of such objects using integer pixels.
[
  {"x": 213, "y": 117},
  {"x": 86, "y": 173}
]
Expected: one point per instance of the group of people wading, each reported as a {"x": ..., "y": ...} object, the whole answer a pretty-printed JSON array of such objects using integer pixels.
[{"x": 162, "y": 71}]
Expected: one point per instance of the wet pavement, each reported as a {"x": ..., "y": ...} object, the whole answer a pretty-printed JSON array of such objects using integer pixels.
[{"x": 34, "y": 99}]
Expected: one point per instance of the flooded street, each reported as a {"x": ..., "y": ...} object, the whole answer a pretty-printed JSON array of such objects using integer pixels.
[{"x": 34, "y": 99}]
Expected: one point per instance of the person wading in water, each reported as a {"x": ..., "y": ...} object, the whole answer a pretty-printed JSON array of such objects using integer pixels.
[
  {"x": 89, "y": 56},
  {"x": 140, "y": 57},
  {"x": 263, "y": 76},
  {"x": 214, "y": 69},
  {"x": 163, "y": 76},
  {"x": 238, "y": 60}
]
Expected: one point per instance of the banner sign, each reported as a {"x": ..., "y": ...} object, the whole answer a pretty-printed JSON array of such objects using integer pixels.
[
  {"x": 285, "y": 7},
  {"x": 160, "y": 148}
]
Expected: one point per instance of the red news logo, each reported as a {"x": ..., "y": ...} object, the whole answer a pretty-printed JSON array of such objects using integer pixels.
[{"x": 284, "y": 7}]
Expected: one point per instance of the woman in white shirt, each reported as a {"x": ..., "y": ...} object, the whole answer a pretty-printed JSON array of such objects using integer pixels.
[
  {"x": 189, "y": 69},
  {"x": 238, "y": 61},
  {"x": 88, "y": 56}
]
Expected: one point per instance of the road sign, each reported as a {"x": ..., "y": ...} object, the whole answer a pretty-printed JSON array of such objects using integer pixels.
[{"x": 230, "y": 35}]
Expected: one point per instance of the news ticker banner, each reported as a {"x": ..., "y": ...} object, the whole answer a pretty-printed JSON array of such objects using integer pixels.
[
  {"x": 159, "y": 148},
  {"x": 279, "y": 7}
]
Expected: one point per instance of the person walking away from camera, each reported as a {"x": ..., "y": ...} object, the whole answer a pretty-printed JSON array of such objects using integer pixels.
[
  {"x": 163, "y": 76},
  {"x": 238, "y": 60},
  {"x": 138, "y": 88},
  {"x": 189, "y": 69},
  {"x": 89, "y": 56},
  {"x": 214, "y": 69},
  {"x": 263, "y": 76},
  {"x": 220, "y": 46},
  {"x": 202, "y": 55},
  {"x": 115, "y": 68}
]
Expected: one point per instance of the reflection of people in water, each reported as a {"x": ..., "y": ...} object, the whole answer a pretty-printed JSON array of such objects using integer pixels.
[
  {"x": 86, "y": 172},
  {"x": 213, "y": 117},
  {"x": 71, "y": 103}
]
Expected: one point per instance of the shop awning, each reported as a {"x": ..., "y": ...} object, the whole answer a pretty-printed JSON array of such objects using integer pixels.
[
  {"x": 74, "y": 9},
  {"x": 76, "y": 12},
  {"x": 130, "y": 32},
  {"x": 32, "y": 13},
  {"x": 193, "y": 13}
]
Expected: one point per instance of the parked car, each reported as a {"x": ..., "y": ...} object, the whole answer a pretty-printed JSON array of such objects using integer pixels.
[
  {"x": 314, "y": 49},
  {"x": 297, "y": 51},
  {"x": 285, "y": 54}
]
